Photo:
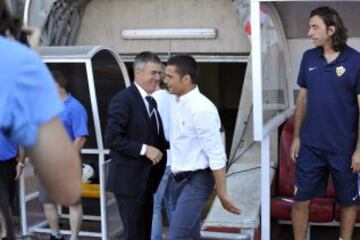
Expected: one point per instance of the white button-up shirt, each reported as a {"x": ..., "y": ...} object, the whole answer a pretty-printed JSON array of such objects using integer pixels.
[
  {"x": 144, "y": 94},
  {"x": 195, "y": 139},
  {"x": 163, "y": 99}
]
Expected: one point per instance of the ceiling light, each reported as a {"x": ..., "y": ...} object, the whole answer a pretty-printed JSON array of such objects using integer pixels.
[{"x": 169, "y": 33}]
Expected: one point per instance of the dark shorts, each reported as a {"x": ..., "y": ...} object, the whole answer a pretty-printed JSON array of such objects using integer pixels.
[
  {"x": 312, "y": 174},
  {"x": 44, "y": 196},
  {"x": 7, "y": 176}
]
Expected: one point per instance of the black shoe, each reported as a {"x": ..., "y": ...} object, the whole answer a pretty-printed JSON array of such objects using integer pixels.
[{"x": 52, "y": 237}]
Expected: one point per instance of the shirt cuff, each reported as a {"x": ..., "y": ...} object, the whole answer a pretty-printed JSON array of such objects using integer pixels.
[
  {"x": 143, "y": 150},
  {"x": 217, "y": 164}
]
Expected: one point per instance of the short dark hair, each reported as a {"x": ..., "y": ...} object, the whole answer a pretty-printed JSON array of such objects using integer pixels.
[
  {"x": 59, "y": 78},
  {"x": 143, "y": 58},
  {"x": 7, "y": 22},
  {"x": 332, "y": 18},
  {"x": 185, "y": 64}
]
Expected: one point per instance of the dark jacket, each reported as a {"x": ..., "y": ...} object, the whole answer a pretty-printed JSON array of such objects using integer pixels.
[{"x": 128, "y": 128}]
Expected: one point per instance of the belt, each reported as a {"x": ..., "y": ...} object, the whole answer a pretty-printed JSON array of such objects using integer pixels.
[{"x": 182, "y": 176}]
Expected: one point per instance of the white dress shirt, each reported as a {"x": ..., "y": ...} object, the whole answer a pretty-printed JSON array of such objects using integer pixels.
[
  {"x": 144, "y": 94},
  {"x": 163, "y": 99},
  {"x": 195, "y": 139}
]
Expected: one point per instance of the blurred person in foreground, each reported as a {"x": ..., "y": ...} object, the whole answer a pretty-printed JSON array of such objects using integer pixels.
[
  {"x": 164, "y": 194},
  {"x": 29, "y": 109}
]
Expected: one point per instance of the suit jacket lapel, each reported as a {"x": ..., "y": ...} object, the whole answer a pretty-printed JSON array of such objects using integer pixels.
[
  {"x": 140, "y": 101},
  {"x": 143, "y": 108}
]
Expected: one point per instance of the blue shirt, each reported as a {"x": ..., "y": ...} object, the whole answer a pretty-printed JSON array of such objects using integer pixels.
[
  {"x": 8, "y": 149},
  {"x": 331, "y": 121},
  {"x": 28, "y": 96},
  {"x": 74, "y": 118}
]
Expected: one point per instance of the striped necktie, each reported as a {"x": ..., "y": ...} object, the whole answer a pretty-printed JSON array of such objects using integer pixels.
[{"x": 153, "y": 112}]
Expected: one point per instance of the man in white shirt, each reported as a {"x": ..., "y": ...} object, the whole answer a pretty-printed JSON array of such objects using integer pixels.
[
  {"x": 197, "y": 153},
  {"x": 164, "y": 193}
]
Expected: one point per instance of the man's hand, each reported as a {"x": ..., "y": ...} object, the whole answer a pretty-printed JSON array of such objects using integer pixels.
[
  {"x": 154, "y": 154},
  {"x": 294, "y": 150},
  {"x": 20, "y": 158},
  {"x": 355, "y": 163},
  {"x": 19, "y": 169},
  {"x": 228, "y": 204},
  {"x": 220, "y": 182},
  {"x": 34, "y": 35}
]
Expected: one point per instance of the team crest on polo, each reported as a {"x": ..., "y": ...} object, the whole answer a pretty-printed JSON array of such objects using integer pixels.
[{"x": 340, "y": 71}]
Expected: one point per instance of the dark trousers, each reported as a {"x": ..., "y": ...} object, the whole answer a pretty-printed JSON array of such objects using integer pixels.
[
  {"x": 7, "y": 175},
  {"x": 136, "y": 215},
  {"x": 191, "y": 196},
  {"x": 7, "y": 191}
]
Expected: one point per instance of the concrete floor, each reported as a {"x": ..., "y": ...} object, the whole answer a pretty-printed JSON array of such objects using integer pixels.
[
  {"x": 284, "y": 232},
  {"x": 278, "y": 232},
  {"x": 35, "y": 213}
]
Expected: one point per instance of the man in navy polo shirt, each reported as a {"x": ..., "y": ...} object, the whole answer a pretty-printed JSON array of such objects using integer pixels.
[{"x": 326, "y": 136}]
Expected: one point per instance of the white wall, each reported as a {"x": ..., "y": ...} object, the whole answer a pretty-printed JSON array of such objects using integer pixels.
[
  {"x": 104, "y": 19},
  {"x": 295, "y": 16}
]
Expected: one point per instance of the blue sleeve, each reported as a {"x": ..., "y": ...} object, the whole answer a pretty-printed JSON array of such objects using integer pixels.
[
  {"x": 301, "y": 81},
  {"x": 79, "y": 121},
  {"x": 35, "y": 99},
  {"x": 8, "y": 149}
]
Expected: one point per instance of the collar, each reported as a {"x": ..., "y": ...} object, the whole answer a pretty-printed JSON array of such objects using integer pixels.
[
  {"x": 67, "y": 99},
  {"x": 342, "y": 56},
  {"x": 143, "y": 93},
  {"x": 320, "y": 52},
  {"x": 189, "y": 95}
]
